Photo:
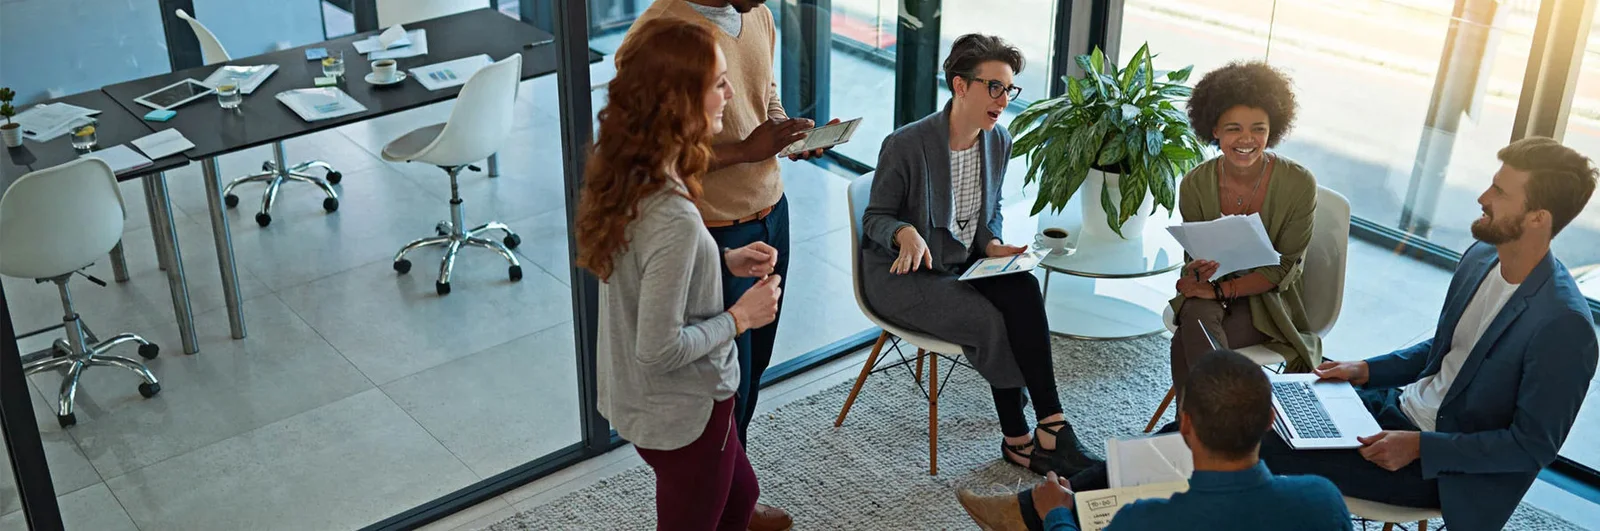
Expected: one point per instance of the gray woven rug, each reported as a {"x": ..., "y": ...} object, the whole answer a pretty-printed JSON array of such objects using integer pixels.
[{"x": 872, "y": 473}]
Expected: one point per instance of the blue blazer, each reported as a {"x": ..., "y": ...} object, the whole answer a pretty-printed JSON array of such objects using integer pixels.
[{"x": 1511, "y": 406}]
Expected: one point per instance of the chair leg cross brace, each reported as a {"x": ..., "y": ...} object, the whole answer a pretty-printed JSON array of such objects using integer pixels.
[
  {"x": 76, "y": 355},
  {"x": 277, "y": 171},
  {"x": 932, "y": 391}
]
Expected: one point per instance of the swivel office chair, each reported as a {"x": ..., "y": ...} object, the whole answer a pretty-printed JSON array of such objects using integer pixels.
[
  {"x": 273, "y": 172},
  {"x": 478, "y": 126},
  {"x": 53, "y": 223}
]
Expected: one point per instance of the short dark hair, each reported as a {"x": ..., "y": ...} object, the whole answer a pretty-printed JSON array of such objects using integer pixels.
[
  {"x": 1254, "y": 84},
  {"x": 1561, "y": 179},
  {"x": 1229, "y": 403},
  {"x": 974, "y": 49}
]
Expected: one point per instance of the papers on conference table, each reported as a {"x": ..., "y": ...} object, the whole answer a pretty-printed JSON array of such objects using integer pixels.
[
  {"x": 248, "y": 78},
  {"x": 120, "y": 158},
  {"x": 394, "y": 43},
  {"x": 314, "y": 104},
  {"x": 1235, "y": 243},
  {"x": 1137, "y": 469},
  {"x": 43, "y": 123},
  {"x": 450, "y": 73},
  {"x": 163, "y": 144}
]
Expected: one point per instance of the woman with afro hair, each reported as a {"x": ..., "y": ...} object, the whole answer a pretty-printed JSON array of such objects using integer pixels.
[{"x": 1244, "y": 109}]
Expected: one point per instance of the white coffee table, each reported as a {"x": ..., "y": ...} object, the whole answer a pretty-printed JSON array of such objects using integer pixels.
[{"x": 1113, "y": 288}]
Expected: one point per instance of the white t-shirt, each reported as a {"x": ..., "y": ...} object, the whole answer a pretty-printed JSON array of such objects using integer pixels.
[
  {"x": 1420, "y": 400},
  {"x": 725, "y": 17}
]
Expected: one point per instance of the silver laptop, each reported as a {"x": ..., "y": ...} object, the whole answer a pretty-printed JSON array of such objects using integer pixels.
[{"x": 1315, "y": 415}]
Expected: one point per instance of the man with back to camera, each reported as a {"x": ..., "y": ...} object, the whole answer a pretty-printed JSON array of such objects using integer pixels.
[
  {"x": 743, "y": 201},
  {"x": 1472, "y": 414},
  {"x": 1227, "y": 405}
]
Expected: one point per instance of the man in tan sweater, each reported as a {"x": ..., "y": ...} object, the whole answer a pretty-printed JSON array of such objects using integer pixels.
[{"x": 743, "y": 200}]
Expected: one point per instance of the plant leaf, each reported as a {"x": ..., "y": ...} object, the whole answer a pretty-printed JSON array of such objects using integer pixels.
[
  {"x": 1113, "y": 151},
  {"x": 1074, "y": 91},
  {"x": 1153, "y": 142},
  {"x": 1176, "y": 91},
  {"x": 1134, "y": 185},
  {"x": 1180, "y": 75},
  {"x": 1129, "y": 112},
  {"x": 1112, "y": 218}
]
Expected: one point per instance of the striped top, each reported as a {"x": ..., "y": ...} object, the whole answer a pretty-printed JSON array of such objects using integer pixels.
[{"x": 966, "y": 192}]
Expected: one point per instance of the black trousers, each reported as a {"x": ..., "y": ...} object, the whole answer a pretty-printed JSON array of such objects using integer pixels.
[
  {"x": 755, "y": 345},
  {"x": 1353, "y": 474},
  {"x": 1021, "y": 304}
]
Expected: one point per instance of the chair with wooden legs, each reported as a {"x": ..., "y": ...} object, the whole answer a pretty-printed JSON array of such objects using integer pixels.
[
  {"x": 929, "y": 349},
  {"x": 1390, "y": 515},
  {"x": 1322, "y": 284}
]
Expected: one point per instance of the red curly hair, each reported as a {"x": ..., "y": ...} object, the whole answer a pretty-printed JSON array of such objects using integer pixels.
[{"x": 653, "y": 127}]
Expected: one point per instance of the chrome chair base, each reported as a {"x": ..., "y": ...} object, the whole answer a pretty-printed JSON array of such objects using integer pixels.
[
  {"x": 76, "y": 355},
  {"x": 275, "y": 173},
  {"x": 452, "y": 236}
]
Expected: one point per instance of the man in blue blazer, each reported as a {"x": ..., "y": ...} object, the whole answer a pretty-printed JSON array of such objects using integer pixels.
[{"x": 1471, "y": 415}]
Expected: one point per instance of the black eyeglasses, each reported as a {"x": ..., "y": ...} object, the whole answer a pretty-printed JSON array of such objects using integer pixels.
[{"x": 996, "y": 88}]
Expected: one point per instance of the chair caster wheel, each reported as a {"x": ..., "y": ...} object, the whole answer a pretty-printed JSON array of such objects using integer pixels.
[
  {"x": 512, "y": 241},
  {"x": 442, "y": 287},
  {"x": 149, "y": 351},
  {"x": 330, "y": 204},
  {"x": 263, "y": 219},
  {"x": 515, "y": 272},
  {"x": 266, "y": 166},
  {"x": 230, "y": 200},
  {"x": 441, "y": 229},
  {"x": 334, "y": 177},
  {"x": 402, "y": 266},
  {"x": 67, "y": 419},
  {"x": 148, "y": 390}
]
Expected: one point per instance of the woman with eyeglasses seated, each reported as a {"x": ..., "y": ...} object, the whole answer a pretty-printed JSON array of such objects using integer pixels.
[
  {"x": 935, "y": 209},
  {"x": 1243, "y": 109}
]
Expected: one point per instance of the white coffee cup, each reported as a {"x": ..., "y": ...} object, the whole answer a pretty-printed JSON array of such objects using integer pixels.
[
  {"x": 1054, "y": 239},
  {"x": 384, "y": 70}
]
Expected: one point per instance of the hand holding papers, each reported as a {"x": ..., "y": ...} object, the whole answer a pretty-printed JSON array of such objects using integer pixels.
[
  {"x": 1137, "y": 469},
  {"x": 1235, "y": 243}
]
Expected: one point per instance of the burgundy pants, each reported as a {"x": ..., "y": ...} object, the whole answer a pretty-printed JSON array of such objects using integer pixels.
[{"x": 709, "y": 483}]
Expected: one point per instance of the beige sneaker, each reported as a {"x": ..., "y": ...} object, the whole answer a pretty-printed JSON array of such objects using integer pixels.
[{"x": 993, "y": 513}]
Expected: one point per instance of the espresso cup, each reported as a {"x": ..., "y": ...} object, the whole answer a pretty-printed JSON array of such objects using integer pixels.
[
  {"x": 1054, "y": 239},
  {"x": 384, "y": 70}
]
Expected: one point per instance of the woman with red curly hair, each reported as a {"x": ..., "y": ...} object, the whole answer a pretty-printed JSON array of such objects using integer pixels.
[{"x": 667, "y": 368}]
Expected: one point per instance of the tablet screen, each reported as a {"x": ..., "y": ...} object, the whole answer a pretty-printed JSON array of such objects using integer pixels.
[{"x": 175, "y": 94}]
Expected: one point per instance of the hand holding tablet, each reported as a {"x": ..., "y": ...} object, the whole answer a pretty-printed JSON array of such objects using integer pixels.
[{"x": 827, "y": 136}]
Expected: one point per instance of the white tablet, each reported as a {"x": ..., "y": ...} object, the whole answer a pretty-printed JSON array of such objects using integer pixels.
[
  {"x": 823, "y": 137},
  {"x": 174, "y": 95}
]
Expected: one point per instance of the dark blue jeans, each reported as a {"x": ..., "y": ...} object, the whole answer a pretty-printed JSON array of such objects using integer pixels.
[{"x": 755, "y": 346}]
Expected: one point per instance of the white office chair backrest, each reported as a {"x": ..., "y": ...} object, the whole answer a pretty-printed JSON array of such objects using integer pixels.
[
  {"x": 57, "y": 220},
  {"x": 211, "y": 50},
  {"x": 1322, "y": 281},
  {"x": 481, "y": 119},
  {"x": 860, "y": 195},
  {"x": 391, "y": 12}
]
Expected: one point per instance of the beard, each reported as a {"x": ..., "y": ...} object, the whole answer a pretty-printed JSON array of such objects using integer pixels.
[{"x": 1495, "y": 232}]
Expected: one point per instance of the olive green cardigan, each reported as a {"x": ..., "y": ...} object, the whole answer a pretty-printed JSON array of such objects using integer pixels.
[{"x": 1287, "y": 213}]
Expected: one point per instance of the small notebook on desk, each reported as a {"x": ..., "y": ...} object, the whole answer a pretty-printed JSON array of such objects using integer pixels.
[
  {"x": 121, "y": 158},
  {"x": 163, "y": 144}
]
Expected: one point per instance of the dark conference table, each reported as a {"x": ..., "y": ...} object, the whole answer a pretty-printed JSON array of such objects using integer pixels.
[
  {"x": 115, "y": 126},
  {"x": 262, "y": 120}
]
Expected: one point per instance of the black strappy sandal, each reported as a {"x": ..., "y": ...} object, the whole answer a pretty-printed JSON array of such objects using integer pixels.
[
  {"x": 1007, "y": 450},
  {"x": 1067, "y": 459}
]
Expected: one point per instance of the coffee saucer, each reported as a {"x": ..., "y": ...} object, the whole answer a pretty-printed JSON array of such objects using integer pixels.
[{"x": 372, "y": 78}]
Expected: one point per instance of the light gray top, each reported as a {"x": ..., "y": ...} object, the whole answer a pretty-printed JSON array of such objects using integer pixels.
[
  {"x": 665, "y": 344},
  {"x": 966, "y": 185},
  {"x": 725, "y": 17}
]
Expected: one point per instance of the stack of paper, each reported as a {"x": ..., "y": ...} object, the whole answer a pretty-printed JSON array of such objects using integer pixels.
[
  {"x": 1235, "y": 243},
  {"x": 120, "y": 158},
  {"x": 314, "y": 104},
  {"x": 1137, "y": 469},
  {"x": 248, "y": 78},
  {"x": 163, "y": 144},
  {"x": 44, "y": 123},
  {"x": 450, "y": 73},
  {"x": 394, "y": 43}
]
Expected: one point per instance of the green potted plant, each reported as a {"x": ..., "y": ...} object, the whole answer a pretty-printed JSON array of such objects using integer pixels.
[
  {"x": 1119, "y": 135},
  {"x": 10, "y": 131}
]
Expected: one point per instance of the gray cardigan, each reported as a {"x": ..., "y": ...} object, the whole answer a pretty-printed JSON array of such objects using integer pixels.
[
  {"x": 666, "y": 351},
  {"x": 912, "y": 187}
]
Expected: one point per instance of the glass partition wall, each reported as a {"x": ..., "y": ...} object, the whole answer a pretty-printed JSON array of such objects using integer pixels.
[{"x": 393, "y": 406}]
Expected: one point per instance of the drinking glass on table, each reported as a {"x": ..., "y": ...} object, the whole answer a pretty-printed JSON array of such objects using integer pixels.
[
  {"x": 228, "y": 96},
  {"x": 333, "y": 64},
  {"x": 83, "y": 134}
]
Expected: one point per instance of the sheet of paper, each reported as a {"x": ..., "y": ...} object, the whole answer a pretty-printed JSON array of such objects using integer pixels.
[
  {"x": 450, "y": 73},
  {"x": 121, "y": 158},
  {"x": 1148, "y": 460},
  {"x": 163, "y": 144},
  {"x": 248, "y": 78},
  {"x": 1097, "y": 507},
  {"x": 392, "y": 37},
  {"x": 43, "y": 123},
  {"x": 375, "y": 50},
  {"x": 989, "y": 267},
  {"x": 1235, "y": 243}
]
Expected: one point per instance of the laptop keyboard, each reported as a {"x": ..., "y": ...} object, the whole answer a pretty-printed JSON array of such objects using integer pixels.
[{"x": 1305, "y": 411}]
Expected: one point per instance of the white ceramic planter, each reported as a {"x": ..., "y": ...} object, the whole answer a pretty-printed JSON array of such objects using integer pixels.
[
  {"x": 1094, "y": 215},
  {"x": 12, "y": 136}
]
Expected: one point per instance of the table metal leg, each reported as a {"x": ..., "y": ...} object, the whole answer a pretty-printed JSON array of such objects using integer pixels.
[
  {"x": 119, "y": 263},
  {"x": 494, "y": 165},
  {"x": 157, "y": 235},
  {"x": 224, "y": 243},
  {"x": 167, "y": 252}
]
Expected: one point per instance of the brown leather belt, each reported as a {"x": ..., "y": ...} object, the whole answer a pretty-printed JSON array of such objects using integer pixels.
[{"x": 753, "y": 217}]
